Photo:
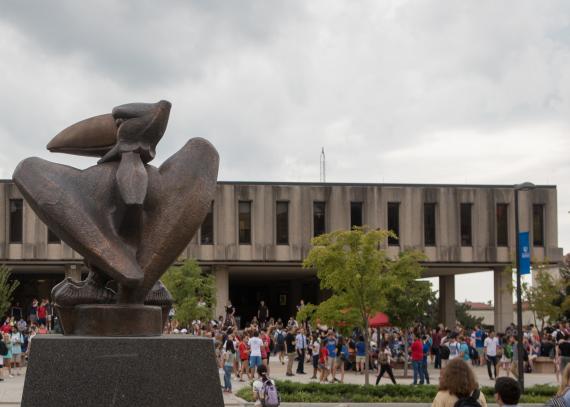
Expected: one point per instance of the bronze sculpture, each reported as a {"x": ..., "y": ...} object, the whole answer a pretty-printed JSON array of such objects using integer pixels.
[{"x": 128, "y": 219}]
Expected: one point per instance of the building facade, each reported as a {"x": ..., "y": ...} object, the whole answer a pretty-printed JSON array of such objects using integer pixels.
[{"x": 257, "y": 234}]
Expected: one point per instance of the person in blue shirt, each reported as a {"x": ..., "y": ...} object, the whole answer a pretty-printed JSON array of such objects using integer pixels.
[
  {"x": 464, "y": 349},
  {"x": 426, "y": 349},
  {"x": 479, "y": 344},
  {"x": 331, "y": 347},
  {"x": 360, "y": 355}
]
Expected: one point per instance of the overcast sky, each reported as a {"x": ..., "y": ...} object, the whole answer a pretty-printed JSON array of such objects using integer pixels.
[{"x": 396, "y": 91}]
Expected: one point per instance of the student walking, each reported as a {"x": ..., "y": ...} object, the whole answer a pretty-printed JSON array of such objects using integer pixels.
[{"x": 490, "y": 348}]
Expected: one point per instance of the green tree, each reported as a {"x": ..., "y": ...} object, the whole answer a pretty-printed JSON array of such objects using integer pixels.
[
  {"x": 193, "y": 291},
  {"x": 564, "y": 298},
  {"x": 547, "y": 296},
  {"x": 465, "y": 319},
  {"x": 360, "y": 275},
  {"x": 7, "y": 289},
  {"x": 544, "y": 294}
]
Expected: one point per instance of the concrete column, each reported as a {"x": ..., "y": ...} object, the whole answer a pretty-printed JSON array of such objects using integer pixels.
[
  {"x": 447, "y": 301},
  {"x": 73, "y": 271},
  {"x": 503, "y": 299},
  {"x": 221, "y": 275}
]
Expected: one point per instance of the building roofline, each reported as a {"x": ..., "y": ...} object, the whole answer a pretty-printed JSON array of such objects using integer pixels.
[{"x": 358, "y": 184}]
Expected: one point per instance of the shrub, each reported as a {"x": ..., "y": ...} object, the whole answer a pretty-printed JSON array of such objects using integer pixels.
[{"x": 323, "y": 393}]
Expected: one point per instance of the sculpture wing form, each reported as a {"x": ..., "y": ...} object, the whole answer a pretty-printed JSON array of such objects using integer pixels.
[
  {"x": 180, "y": 194},
  {"x": 78, "y": 206}
]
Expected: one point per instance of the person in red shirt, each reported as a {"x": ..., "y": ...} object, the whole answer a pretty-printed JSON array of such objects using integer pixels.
[
  {"x": 417, "y": 358},
  {"x": 323, "y": 361},
  {"x": 42, "y": 313},
  {"x": 244, "y": 357}
]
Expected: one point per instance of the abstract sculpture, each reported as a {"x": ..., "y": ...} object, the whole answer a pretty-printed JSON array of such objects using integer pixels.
[{"x": 128, "y": 219}]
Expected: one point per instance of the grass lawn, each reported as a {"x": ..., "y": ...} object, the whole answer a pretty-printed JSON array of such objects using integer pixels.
[{"x": 388, "y": 393}]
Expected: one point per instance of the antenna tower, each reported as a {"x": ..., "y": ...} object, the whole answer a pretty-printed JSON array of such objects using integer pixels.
[{"x": 323, "y": 165}]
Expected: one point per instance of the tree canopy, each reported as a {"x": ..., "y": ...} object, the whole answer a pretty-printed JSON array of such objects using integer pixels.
[
  {"x": 7, "y": 289},
  {"x": 364, "y": 280},
  {"x": 193, "y": 292}
]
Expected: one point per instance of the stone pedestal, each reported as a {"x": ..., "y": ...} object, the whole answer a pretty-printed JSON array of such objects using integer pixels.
[{"x": 172, "y": 370}]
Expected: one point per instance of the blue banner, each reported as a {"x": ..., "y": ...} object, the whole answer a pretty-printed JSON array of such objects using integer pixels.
[{"x": 524, "y": 250}]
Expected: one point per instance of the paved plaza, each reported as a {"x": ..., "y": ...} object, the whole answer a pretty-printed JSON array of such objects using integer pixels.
[{"x": 11, "y": 388}]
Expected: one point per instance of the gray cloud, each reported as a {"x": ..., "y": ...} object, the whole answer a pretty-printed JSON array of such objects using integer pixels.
[{"x": 422, "y": 91}]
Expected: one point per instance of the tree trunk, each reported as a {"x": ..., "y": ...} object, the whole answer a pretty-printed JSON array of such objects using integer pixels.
[
  {"x": 406, "y": 354},
  {"x": 367, "y": 360}
]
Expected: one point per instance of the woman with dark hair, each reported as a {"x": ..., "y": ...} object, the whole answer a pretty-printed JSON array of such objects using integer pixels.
[
  {"x": 228, "y": 360},
  {"x": 457, "y": 381},
  {"x": 264, "y": 389}
]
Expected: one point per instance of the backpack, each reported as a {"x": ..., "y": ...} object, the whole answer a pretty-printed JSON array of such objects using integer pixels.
[
  {"x": 270, "y": 395},
  {"x": 444, "y": 352},
  {"x": 3, "y": 348},
  {"x": 280, "y": 338},
  {"x": 470, "y": 401}
]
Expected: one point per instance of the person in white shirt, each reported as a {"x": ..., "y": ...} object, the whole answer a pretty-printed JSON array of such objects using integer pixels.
[
  {"x": 301, "y": 347},
  {"x": 316, "y": 347},
  {"x": 454, "y": 348},
  {"x": 490, "y": 351},
  {"x": 255, "y": 344},
  {"x": 257, "y": 386}
]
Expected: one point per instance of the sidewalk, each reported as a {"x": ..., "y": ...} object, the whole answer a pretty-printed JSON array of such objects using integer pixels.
[{"x": 11, "y": 388}]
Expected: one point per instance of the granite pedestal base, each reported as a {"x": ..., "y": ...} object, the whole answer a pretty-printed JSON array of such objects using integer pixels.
[{"x": 171, "y": 370}]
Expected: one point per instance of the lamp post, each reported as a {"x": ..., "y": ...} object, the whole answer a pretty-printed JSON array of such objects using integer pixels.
[{"x": 526, "y": 186}]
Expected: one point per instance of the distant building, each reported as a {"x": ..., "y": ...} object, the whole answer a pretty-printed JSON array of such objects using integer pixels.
[
  {"x": 487, "y": 312},
  {"x": 257, "y": 234}
]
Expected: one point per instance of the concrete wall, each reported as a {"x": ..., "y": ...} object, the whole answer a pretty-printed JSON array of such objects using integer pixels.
[{"x": 374, "y": 197}]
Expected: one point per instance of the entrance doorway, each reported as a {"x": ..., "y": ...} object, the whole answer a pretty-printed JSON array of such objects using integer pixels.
[{"x": 281, "y": 294}]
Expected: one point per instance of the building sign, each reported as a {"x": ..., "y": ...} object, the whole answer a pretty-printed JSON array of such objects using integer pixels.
[{"x": 524, "y": 250}]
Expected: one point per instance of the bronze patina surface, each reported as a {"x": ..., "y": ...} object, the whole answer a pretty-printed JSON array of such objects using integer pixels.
[{"x": 128, "y": 219}]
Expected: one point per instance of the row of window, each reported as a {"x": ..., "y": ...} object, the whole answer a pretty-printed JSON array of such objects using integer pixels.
[
  {"x": 393, "y": 213},
  {"x": 319, "y": 223},
  {"x": 17, "y": 224}
]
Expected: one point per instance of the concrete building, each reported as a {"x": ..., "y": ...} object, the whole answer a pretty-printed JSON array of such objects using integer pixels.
[
  {"x": 257, "y": 234},
  {"x": 487, "y": 312}
]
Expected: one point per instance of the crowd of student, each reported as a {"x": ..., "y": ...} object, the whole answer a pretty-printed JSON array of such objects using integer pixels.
[
  {"x": 16, "y": 332},
  {"x": 329, "y": 355}
]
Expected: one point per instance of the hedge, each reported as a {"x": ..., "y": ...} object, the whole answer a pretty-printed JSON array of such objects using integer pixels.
[{"x": 388, "y": 393}]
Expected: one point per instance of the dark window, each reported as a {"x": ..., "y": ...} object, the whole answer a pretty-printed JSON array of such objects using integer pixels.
[
  {"x": 538, "y": 225},
  {"x": 244, "y": 222},
  {"x": 355, "y": 214},
  {"x": 466, "y": 239},
  {"x": 318, "y": 218},
  {"x": 207, "y": 228},
  {"x": 394, "y": 222},
  {"x": 282, "y": 223},
  {"x": 429, "y": 224},
  {"x": 502, "y": 224},
  {"x": 16, "y": 220},
  {"x": 52, "y": 237}
]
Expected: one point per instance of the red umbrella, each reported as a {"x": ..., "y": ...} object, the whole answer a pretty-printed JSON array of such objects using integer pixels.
[{"x": 378, "y": 320}]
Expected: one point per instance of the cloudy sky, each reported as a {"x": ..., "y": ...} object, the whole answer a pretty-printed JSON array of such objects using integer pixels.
[{"x": 396, "y": 91}]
